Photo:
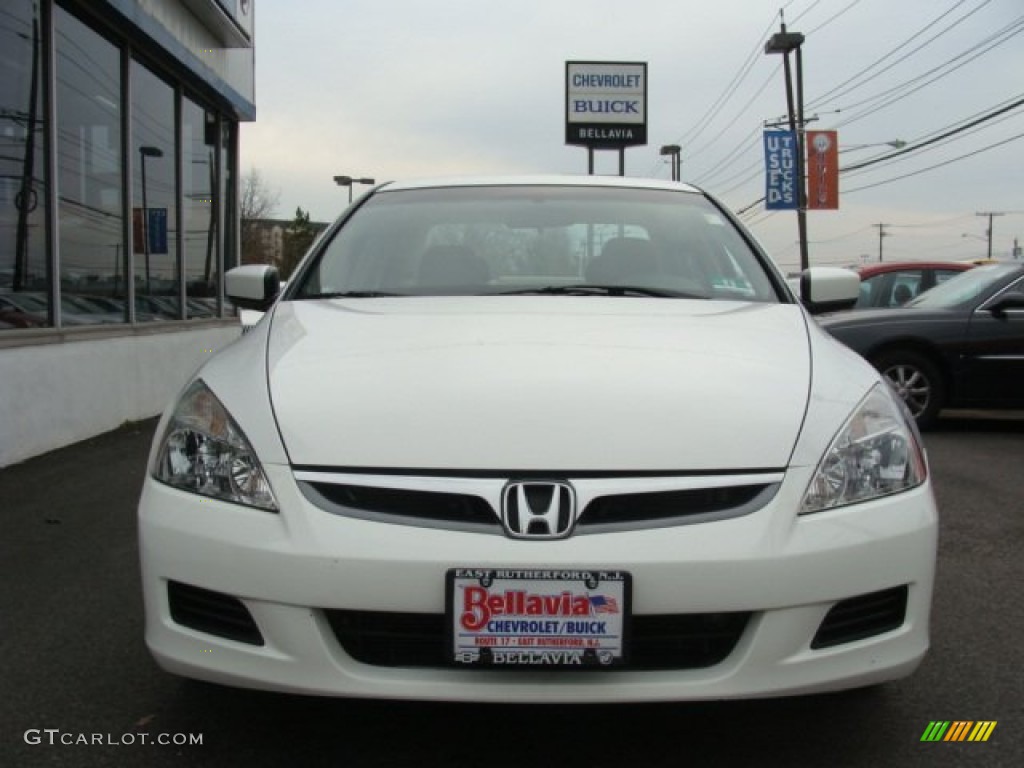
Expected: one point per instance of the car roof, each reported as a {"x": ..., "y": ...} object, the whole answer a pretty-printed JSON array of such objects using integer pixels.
[
  {"x": 898, "y": 266},
  {"x": 621, "y": 182}
]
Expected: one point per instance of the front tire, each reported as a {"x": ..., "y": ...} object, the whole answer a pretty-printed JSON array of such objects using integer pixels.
[{"x": 917, "y": 381}]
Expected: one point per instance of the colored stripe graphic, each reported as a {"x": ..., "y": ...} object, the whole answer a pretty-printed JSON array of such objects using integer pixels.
[
  {"x": 958, "y": 730},
  {"x": 982, "y": 730},
  {"x": 935, "y": 730}
]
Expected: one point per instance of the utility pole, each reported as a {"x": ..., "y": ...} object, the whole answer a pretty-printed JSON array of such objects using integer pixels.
[
  {"x": 991, "y": 215},
  {"x": 881, "y": 234}
]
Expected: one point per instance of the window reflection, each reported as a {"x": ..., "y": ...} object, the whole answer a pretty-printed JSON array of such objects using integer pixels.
[
  {"x": 24, "y": 284},
  {"x": 199, "y": 140},
  {"x": 229, "y": 183},
  {"x": 92, "y": 260},
  {"x": 179, "y": 152},
  {"x": 229, "y": 206},
  {"x": 154, "y": 209}
]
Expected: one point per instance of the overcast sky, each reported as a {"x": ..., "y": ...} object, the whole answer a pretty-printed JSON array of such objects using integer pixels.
[{"x": 405, "y": 88}]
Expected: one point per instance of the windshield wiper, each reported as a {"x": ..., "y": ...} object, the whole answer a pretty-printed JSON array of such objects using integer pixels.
[
  {"x": 348, "y": 295},
  {"x": 587, "y": 289}
]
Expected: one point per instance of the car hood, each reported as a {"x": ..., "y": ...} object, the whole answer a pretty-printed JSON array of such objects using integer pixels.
[
  {"x": 538, "y": 383},
  {"x": 895, "y": 315}
]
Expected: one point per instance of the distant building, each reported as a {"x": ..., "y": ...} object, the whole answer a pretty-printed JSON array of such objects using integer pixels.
[{"x": 118, "y": 206}]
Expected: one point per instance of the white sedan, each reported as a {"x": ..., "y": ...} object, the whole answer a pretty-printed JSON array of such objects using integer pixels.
[{"x": 538, "y": 440}]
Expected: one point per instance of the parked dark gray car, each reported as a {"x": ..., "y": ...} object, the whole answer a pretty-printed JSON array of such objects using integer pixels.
[{"x": 961, "y": 344}]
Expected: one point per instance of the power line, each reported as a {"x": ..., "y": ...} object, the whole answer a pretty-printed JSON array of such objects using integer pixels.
[
  {"x": 719, "y": 167},
  {"x": 880, "y": 101},
  {"x": 937, "y": 165},
  {"x": 995, "y": 112},
  {"x": 753, "y": 137},
  {"x": 691, "y": 135},
  {"x": 945, "y": 142},
  {"x": 935, "y": 139},
  {"x": 806, "y": 10},
  {"x": 833, "y": 92},
  {"x": 733, "y": 154},
  {"x": 730, "y": 90},
  {"x": 831, "y": 18},
  {"x": 901, "y": 91},
  {"x": 837, "y": 238}
]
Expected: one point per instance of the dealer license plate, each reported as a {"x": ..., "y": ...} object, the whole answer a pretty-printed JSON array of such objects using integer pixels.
[{"x": 537, "y": 618}]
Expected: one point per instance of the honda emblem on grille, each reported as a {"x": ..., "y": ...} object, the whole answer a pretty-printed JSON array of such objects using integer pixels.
[{"x": 538, "y": 509}]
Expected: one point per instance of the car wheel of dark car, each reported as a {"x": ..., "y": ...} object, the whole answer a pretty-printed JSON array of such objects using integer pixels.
[{"x": 916, "y": 380}]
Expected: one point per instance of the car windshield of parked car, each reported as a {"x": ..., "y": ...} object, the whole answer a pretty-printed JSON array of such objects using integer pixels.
[
  {"x": 963, "y": 289},
  {"x": 522, "y": 240}
]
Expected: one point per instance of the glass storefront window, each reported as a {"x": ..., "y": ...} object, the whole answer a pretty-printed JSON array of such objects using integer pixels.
[
  {"x": 92, "y": 275},
  {"x": 24, "y": 273},
  {"x": 90, "y": 212},
  {"x": 154, "y": 198},
  {"x": 199, "y": 182}
]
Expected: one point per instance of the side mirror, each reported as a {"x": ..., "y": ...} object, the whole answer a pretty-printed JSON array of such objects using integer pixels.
[
  {"x": 1008, "y": 301},
  {"x": 828, "y": 289},
  {"x": 253, "y": 286}
]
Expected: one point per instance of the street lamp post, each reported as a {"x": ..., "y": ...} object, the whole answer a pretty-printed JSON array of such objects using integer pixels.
[
  {"x": 672, "y": 151},
  {"x": 785, "y": 43},
  {"x": 144, "y": 152},
  {"x": 348, "y": 181}
]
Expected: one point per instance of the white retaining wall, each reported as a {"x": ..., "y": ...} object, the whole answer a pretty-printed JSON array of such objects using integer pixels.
[{"x": 55, "y": 394}]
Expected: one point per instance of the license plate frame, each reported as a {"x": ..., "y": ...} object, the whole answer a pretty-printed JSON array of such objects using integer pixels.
[{"x": 529, "y": 618}]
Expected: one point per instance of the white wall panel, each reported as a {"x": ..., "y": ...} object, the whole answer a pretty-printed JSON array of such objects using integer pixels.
[{"x": 57, "y": 394}]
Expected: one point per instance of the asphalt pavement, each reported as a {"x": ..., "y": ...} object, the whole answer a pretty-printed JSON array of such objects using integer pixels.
[{"x": 78, "y": 688}]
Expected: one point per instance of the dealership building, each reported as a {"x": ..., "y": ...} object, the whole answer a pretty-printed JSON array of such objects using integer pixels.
[{"x": 118, "y": 206}]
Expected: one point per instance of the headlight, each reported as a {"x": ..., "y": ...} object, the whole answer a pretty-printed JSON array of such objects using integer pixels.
[
  {"x": 205, "y": 452},
  {"x": 876, "y": 453}
]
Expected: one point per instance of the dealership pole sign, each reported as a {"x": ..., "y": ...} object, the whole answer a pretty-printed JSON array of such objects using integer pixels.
[
  {"x": 605, "y": 104},
  {"x": 822, "y": 170},
  {"x": 780, "y": 152}
]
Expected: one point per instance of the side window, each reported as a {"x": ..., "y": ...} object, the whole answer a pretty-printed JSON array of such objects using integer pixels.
[
  {"x": 905, "y": 286},
  {"x": 870, "y": 289}
]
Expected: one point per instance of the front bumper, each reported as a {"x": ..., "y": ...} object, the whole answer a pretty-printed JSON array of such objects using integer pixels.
[{"x": 288, "y": 570}]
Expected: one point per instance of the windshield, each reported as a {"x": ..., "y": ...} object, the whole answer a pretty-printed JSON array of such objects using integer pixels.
[
  {"x": 962, "y": 289},
  {"x": 518, "y": 240}
]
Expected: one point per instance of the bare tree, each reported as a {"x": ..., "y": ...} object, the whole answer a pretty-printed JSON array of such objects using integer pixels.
[{"x": 257, "y": 201}]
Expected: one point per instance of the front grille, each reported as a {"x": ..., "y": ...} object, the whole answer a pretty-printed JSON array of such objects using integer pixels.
[
  {"x": 627, "y": 509},
  {"x": 663, "y": 642},
  {"x": 409, "y": 506},
  {"x": 213, "y": 613},
  {"x": 471, "y": 503},
  {"x": 861, "y": 617}
]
